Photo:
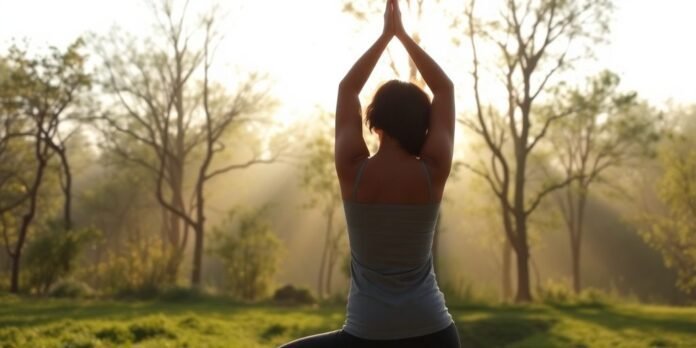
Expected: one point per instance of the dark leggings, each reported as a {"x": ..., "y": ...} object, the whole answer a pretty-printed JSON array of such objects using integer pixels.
[{"x": 447, "y": 338}]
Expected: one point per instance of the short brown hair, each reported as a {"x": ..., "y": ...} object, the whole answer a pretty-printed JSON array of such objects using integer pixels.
[{"x": 401, "y": 110}]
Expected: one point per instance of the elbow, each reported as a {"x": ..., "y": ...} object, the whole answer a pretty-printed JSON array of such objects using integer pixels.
[
  {"x": 449, "y": 84},
  {"x": 446, "y": 86},
  {"x": 342, "y": 85},
  {"x": 346, "y": 87}
]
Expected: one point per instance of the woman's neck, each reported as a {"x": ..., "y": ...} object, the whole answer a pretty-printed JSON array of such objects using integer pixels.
[{"x": 389, "y": 148}]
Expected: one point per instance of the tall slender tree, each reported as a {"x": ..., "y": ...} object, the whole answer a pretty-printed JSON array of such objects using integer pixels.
[
  {"x": 609, "y": 129},
  {"x": 168, "y": 102},
  {"x": 42, "y": 92},
  {"x": 533, "y": 40}
]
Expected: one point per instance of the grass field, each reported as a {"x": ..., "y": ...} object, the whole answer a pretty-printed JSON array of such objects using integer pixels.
[{"x": 220, "y": 323}]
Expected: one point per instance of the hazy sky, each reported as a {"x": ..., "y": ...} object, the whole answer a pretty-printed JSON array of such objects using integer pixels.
[{"x": 307, "y": 45}]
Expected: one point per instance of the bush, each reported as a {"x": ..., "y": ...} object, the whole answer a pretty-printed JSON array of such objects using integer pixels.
[
  {"x": 560, "y": 293},
  {"x": 53, "y": 253},
  {"x": 594, "y": 297},
  {"x": 70, "y": 288},
  {"x": 290, "y": 295},
  {"x": 119, "y": 276},
  {"x": 249, "y": 251},
  {"x": 556, "y": 292}
]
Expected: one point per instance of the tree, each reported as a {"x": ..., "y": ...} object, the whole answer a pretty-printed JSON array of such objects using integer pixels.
[
  {"x": 250, "y": 252},
  {"x": 167, "y": 102},
  {"x": 13, "y": 186},
  {"x": 607, "y": 130},
  {"x": 534, "y": 40},
  {"x": 319, "y": 178},
  {"x": 42, "y": 91},
  {"x": 672, "y": 229}
]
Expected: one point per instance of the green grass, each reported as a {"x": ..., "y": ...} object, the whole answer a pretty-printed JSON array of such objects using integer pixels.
[{"x": 220, "y": 323}]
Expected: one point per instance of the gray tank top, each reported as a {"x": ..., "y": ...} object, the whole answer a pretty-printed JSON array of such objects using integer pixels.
[{"x": 393, "y": 290}]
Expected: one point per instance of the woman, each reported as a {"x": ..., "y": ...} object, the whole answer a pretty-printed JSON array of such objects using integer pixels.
[{"x": 391, "y": 202}]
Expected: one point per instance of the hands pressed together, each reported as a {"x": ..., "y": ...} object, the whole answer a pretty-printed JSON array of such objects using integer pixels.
[
  {"x": 350, "y": 145},
  {"x": 393, "y": 26}
]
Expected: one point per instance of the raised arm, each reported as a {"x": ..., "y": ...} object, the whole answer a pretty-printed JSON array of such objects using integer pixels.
[
  {"x": 350, "y": 148},
  {"x": 439, "y": 144}
]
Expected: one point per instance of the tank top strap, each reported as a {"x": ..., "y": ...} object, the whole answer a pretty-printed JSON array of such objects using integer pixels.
[
  {"x": 428, "y": 179},
  {"x": 358, "y": 177}
]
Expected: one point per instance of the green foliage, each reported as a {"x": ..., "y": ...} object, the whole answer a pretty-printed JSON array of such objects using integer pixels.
[
  {"x": 70, "y": 288},
  {"x": 217, "y": 323},
  {"x": 117, "y": 202},
  {"x": 604, "y": 129},
  {"x": 125, "y": 278},
  {"x": 250, "y": 252},
  {"x": 291, "y": 295},
  {"x": 673, "y": 231},
  {"x": 53, "y": 254},
  {"x": 555, "y": 292},
  {"x": 50, "y": 81},
  {"x": 560, "y": 293}
]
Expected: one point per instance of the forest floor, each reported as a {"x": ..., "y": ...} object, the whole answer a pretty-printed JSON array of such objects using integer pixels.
[{"x": 28, "y": 322}]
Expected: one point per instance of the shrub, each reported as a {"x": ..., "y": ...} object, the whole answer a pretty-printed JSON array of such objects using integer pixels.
[
  {"x": 70, "y": 288},
  {"x": 53, "y": 253},
  {"x": 123, "y": 278},
  {"x": 291, "y": 295},
  {"x": 594, "y": 297},
  {"x": 250, "y": 252},
  {"x": 556, "y": 292}
]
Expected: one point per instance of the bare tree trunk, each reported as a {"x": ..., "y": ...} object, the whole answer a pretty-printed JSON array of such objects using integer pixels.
[
  {"x": 324, "y": 255},
  {"x": 506, "y": 272},
  {"x": 524, "y": 293},
  {"x": 66, "y": 184},
  {"x": 199, "y": 227},
  {"x": 575, "y": 256},
  {"x": 16, "y": 256},
  {"x": 197, "y": 257},
  {"x": 14, "y": 279}
]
